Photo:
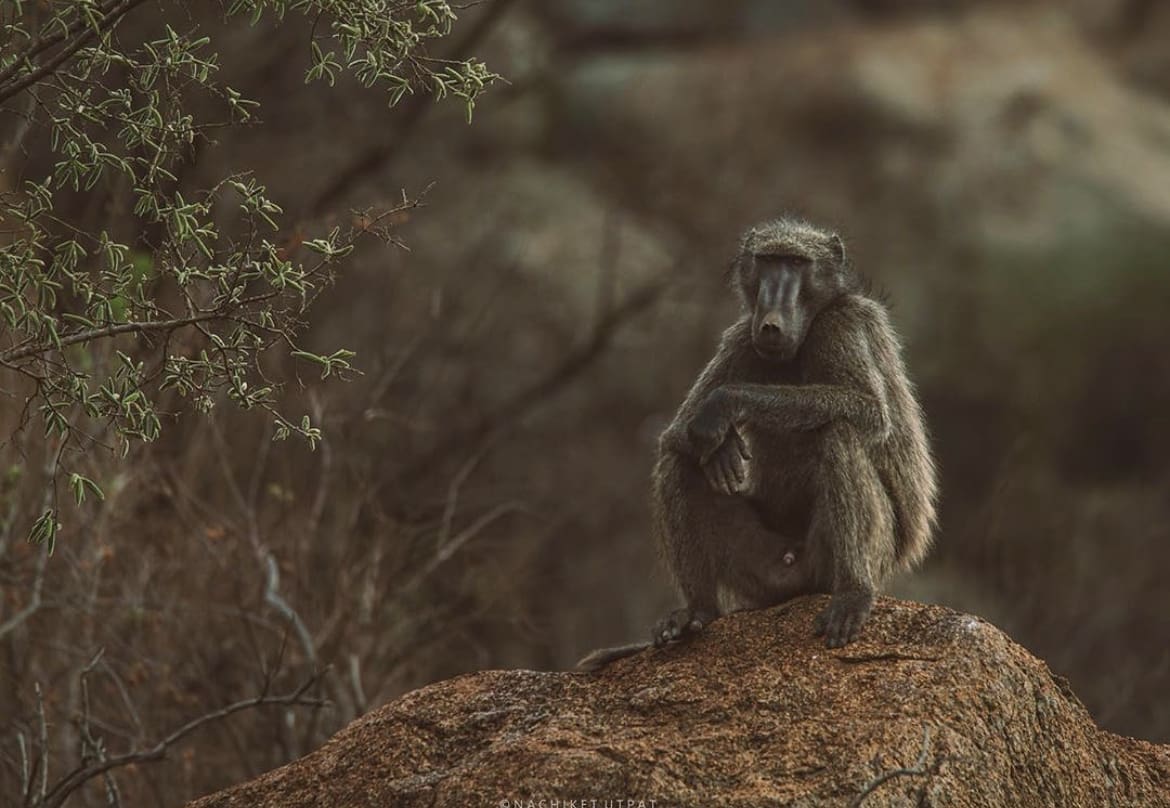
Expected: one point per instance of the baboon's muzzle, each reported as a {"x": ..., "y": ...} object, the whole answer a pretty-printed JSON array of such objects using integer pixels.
[{"x": 778, "y": 321}]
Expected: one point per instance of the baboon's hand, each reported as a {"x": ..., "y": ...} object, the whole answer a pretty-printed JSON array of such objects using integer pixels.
[
  {"x": 843, "y": 618},
  {"x": 727, "y": 467},
  {"x": 710, "y": 426}
]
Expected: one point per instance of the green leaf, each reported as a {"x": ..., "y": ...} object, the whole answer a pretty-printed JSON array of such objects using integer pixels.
[
  {"x": 81, "y": 485},
  {"x": 45, "y": 530}
]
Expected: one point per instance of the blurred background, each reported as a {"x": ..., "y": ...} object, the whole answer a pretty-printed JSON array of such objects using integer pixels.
[{"x": 1000, "y": 169}]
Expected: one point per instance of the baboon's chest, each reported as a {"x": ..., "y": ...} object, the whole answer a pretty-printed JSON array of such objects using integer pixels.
[
  {"x": 760, "y": 371},
  {"x": 781, "y": 468}
]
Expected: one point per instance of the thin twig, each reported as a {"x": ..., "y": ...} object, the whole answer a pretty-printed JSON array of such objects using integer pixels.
[
  {"x": 453, "y": 495},
  {"x": 67, "y": 53},
  {"x": 388, "y": 377},
  {"x": 264, "y": 556},
  {"x": 93, "y": 746},
  {"x": 412, "y": 113},
  {"x": 447, "y": 551},
  {"x": 324, "y": 477},
  {"x": 918, "y": 769},
  {"x": 43, "y": 726},
  {"x": 120, "y": 686},
  {"x": 25, "y": 766},
  {"x": 559, "y": 377}
]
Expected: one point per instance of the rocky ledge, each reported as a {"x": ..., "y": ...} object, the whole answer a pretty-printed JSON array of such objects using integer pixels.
[{"x": 929, "y": 707}]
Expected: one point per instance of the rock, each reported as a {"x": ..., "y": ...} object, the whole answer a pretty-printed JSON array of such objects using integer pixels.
[
  {"x": 930, "y": 707},
  {"x": 1003, "y": 125}
]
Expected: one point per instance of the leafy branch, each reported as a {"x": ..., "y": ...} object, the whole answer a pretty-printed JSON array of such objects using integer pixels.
[{"x": 198, "y": 293}]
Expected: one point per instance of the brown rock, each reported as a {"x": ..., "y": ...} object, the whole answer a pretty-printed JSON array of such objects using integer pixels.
[
  {"x": 1004, "y": 124},
  {"x": 931, "y": 707}
]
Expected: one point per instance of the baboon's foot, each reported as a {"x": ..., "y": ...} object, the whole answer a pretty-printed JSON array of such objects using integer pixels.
[
  {"x": 679, "y": 623},
  {"x": 843, "y": 618}
]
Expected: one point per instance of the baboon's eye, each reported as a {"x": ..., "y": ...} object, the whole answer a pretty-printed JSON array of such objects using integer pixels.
[{"x": 814, "y": 280}]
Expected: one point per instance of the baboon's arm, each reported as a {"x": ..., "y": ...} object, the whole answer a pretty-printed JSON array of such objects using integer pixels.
[
  {"x": 845, "y": 384},
  {"x": 795, "y": 408}
]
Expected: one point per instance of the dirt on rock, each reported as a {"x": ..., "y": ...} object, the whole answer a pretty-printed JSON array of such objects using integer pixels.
[{"x": 929, "y": 708}]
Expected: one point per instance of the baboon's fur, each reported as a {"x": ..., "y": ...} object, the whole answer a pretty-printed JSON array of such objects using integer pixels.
[{"x": 823, "y": 453}]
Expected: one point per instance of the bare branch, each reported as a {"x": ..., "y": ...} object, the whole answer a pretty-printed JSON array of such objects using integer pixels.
[
  {"x": 360, "y": 702},
  {"x": 575, "y": 363},
  {"x": 82, "y": 774},
  {"x": 34, "y": 602},
  {"x": 264, "y": 556},
  {"x": 43, "y": 726},
  {"x": 448, "y": 550},
  {"x": 274, "y": 599},
  {"x": 325, "y": 447},
  {"x": 453, "y": 495}
]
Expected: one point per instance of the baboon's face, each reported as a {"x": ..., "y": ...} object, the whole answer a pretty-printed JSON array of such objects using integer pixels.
[{"x": 789, "y": 290}]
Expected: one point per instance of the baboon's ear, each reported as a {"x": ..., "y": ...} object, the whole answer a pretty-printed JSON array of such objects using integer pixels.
[
  {"x": 731, "y": 274},
  {"x": 837, "y": 249}
]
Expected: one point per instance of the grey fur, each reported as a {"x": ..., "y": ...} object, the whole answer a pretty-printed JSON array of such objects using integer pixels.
[{"x": 823, "y": 454}]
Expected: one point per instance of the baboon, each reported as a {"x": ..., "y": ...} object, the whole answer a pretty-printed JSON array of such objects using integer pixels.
[{"x": 799, "y": 461}]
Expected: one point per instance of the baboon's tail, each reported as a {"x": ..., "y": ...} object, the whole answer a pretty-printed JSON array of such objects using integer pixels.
[{"x": 596, "y": 660}]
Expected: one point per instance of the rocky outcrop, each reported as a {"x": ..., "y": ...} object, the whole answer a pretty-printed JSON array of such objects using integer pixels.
[
  {"x": 1001, "y": 124},
  {"x": 930, "y": 707}
]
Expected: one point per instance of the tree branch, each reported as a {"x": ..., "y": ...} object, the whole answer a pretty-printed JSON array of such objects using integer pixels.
[
  {"x": 575, "y": 363},
  {"x": 67, "y": 53},
  {"x": 76, "y": 778},
  {"x": 43, "y": 43},
  {"x": 34, "y": 602},
  {"x": 16, "y": 354}
]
